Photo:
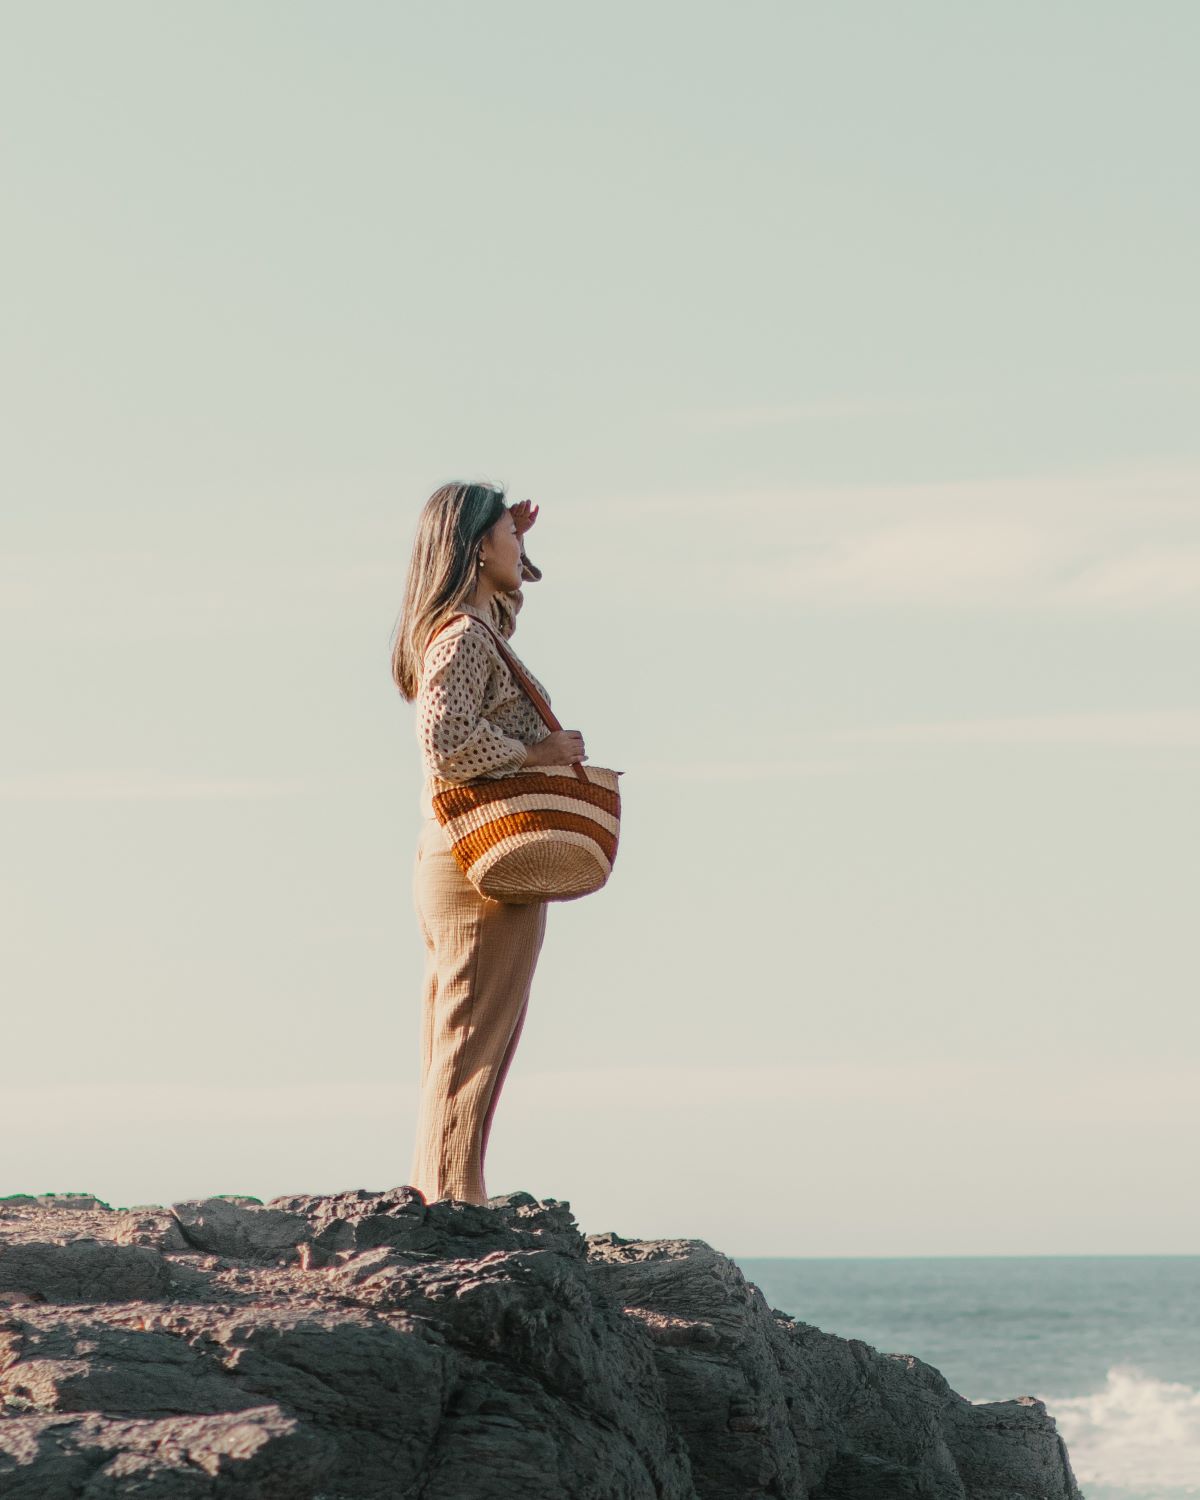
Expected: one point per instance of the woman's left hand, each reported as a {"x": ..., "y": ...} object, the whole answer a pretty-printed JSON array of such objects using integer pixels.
[{"x": 524, "y": 514}]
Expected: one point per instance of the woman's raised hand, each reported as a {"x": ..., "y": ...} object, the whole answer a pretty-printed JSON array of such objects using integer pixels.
[
  {"x": 561, "y": 747},
  {"x": 524, "y": 514}
]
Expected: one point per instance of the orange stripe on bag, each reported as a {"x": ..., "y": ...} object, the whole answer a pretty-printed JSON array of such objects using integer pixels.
[
  {"x": 459, "y": 797},
  {"x": 473, "y": 846}
]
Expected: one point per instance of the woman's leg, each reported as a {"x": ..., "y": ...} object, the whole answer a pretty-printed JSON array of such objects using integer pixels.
[
  {"x": 502, "y": 1071},
  {"x": 480, "y": 958}
]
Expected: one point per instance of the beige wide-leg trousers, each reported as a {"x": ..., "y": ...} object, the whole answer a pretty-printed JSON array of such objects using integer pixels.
[{"x": 480, "y": 958}]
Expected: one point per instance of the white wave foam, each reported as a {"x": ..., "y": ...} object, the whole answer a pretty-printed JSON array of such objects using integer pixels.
[{"x": 1139, "y": 1435}]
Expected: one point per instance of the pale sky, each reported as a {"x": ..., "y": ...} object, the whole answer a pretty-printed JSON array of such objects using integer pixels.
[{"x": 850, "y": 353}]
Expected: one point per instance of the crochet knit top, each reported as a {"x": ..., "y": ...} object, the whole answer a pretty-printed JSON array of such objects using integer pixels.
[{"x": 473, "y": 718}]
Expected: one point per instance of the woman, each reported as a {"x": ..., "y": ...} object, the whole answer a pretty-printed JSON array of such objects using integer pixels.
[{"x": 473, "y": 720}]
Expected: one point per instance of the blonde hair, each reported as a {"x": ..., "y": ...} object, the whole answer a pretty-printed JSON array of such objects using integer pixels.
[{"x": 441, "y": 571}]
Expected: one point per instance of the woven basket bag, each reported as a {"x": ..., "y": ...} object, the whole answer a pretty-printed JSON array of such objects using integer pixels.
[{"x": 545, "y": 834}]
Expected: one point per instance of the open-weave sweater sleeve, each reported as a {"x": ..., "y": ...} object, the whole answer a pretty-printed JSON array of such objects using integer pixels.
[{"x": 457, "y": 741}]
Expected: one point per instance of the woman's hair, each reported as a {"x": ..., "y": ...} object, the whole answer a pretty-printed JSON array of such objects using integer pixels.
[{"x": 441, "y": 571}]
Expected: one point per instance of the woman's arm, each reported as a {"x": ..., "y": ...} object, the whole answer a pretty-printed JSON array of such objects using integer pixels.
[{"x": 456, "y": 740}]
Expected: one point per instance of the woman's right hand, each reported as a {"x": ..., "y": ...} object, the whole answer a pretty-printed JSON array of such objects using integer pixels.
[{"x": 561, "y": 747}]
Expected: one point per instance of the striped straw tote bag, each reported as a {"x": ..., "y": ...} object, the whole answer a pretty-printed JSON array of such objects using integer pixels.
[{"x": 545, "y": 834}]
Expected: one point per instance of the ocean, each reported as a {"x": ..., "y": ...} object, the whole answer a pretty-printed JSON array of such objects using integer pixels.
[{"x": 1111, "y": 1344}]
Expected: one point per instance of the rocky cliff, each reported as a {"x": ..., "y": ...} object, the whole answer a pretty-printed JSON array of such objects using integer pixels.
[{"x": 367, "y": 1346}]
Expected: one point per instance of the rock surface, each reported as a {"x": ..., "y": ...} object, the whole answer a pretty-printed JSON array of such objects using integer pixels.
[{"x": 368, "y": 1346}]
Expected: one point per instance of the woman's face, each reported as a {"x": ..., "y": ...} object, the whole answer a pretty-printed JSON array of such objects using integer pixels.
[{"x": 502, "y": 553}]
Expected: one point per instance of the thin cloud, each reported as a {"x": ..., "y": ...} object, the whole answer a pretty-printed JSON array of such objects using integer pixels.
[
  {"x": 198, "y": 1103},
  {"x": 104, "y": 786},
  {"x": 1075, "y": 542},
  {"x": 1130, "y": 1088},
  {"x": 1078, "y": 542},
  {"x": 1168, "y": 728},
  {"x": 1163, "y": 729},
  {"x": 735, "y": 769},
  {"x": 50, "y": 580},
  {"x": 829, "y": 408},
  {"x": 1145, "y": 576},
  {"x": 168, "y": 593}
]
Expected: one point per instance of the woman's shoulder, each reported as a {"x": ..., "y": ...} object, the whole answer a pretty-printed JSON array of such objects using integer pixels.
[{"x": 463, "y": 633}]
